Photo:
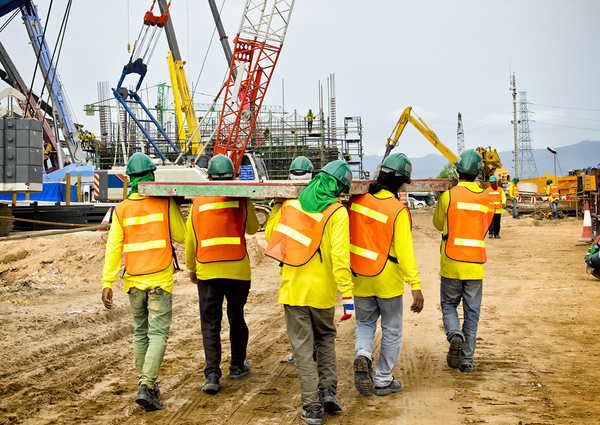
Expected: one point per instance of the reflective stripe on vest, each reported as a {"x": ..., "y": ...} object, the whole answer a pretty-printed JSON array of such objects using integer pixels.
[
  {"x": 146, "y": 245},
  {"x": 554, "y": 192},
  {"x": 371, "y": 232},
  {"x": 297, "y": 236},
  {"x": 219, "y": 224},
  {"x": 469, "y": 217},
  {"x": 403, "y": 196},
  {"x": 514, "y": 190},
  {"x": 496, "y": 197}
]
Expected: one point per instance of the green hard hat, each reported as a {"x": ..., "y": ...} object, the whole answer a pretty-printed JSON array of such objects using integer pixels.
[
  {"x": 469, "y": 162},
  {"x": 139, "y": 163},
  {"x": 340, "y": 170},
  {"x": 549, "y": 181},
  {"x": 302, "y": 163},
  {"x": 493, "y": 179},
  {"x": 220, "y": 165},
  {"x": 399, "y": 163},
  {"x": 516, "y": 180}
]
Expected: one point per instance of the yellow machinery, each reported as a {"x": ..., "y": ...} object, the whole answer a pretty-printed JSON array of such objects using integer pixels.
[{"x": 491, "y": 159}]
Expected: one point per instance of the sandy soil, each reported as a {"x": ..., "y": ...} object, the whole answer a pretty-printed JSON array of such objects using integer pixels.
[{"x": 65, "y": 359}]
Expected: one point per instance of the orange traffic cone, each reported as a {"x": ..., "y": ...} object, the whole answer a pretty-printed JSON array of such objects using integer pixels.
[
  {"x": 106, "y": 220},
  {"x": 586, "y": 235}
]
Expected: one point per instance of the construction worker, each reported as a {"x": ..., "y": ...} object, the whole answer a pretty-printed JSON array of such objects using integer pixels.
[
  {"x": 309, "y": 119},
  {"x": 592, "y": 259},
  {"x": 310, "y": 236},
  {"x": 142, "y": 228},
  {"x": 463, "y": 214},
  {"x": 499, "y": 198},
  {"x": 553, "y": 197},
  {"x": 513, "y": 192},
  {"x": 382, "y": 259},
  {"x": 217, "y": 259}
]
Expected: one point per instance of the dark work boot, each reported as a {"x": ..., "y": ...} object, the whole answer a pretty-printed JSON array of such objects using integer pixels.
[
  {"x": 314, "y": 417},
  {"x": 454, "y": 352},
  {"x": 363, "y": 376},
  {"x": 236, "y": 372},
  {"x": 330, "y": 403},
  {"x": 211, "y": 385},
  {"x": 148, "y": 399}
]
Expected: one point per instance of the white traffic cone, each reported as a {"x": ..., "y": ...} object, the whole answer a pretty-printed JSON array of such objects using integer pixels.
[
  {"x": 586, "y": 235},
  {"x": 106, "y": 220}
]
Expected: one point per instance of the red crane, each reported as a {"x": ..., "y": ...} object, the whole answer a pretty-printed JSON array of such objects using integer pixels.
[{"x": 256, "y": 50}]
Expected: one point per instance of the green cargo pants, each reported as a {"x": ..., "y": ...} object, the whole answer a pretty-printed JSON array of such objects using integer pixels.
[{"x": 152, "y": 316}]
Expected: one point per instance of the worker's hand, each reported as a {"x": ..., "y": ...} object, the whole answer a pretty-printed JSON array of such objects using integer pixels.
[
  {"x": 418, "y": 301},
  {"x": 348, "y": 308},
  {"x": 107, "y": 298},
  {"x": 194, "y": 278}
]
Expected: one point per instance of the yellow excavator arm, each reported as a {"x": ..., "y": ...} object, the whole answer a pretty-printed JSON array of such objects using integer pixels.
[
  {"x": 184, "y": 104},
  {"x": 425, "y": 131}
]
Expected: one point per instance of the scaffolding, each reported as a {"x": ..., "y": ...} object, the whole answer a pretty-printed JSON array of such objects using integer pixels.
[{"x": 279, "y": 137}]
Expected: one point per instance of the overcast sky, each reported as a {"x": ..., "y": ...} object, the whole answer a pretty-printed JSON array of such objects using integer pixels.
[{"x": 441, "y": 57}]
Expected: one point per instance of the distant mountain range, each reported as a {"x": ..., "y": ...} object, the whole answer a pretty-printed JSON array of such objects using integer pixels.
[{"x": 577, "y": 156}]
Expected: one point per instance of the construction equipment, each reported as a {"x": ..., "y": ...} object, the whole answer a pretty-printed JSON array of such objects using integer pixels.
[
  {"x": 252, "y": 65},
  {"x": 491, "y": 160}
]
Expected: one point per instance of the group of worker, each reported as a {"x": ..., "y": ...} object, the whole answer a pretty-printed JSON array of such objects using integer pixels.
[{"x": 364, "y": 250}]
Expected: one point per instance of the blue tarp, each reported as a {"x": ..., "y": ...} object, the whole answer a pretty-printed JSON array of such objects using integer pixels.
[
  {"x": 52, "y": 192},
  {"x": 73, "y": 170}
]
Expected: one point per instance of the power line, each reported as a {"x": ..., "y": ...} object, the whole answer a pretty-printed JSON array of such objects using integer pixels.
[
  {"x": 567, "y": 118},
  {"x": 567, "y": 126},
  {"x": 566, "y": 107}
]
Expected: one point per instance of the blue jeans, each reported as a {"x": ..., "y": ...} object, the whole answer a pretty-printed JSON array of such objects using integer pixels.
[
  {"x": 554, "y": 206},
  {"x": 515, "y": 213},
  {"x": 152, "y": 316},
  {"x": 368, "y": 310},
  {"x": 451, "y": 292}
]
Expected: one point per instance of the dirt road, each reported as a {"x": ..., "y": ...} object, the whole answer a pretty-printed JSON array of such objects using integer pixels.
[{"x": 65, "y": 359}]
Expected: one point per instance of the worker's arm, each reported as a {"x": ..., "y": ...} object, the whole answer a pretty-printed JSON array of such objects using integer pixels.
[
  {"x": 441, "y": 210},
  {"x": 176, "y": 222},
  {"x": 503, "y": 195},
  {"x": 403, "y": 245},
  {"x": 273, "y": 220},
  {"x": 190, "y": 248},
  {"x": 340, "y": 251},
  {"x": 114, "y": 250},
  {"x": 252, "y": 224}
]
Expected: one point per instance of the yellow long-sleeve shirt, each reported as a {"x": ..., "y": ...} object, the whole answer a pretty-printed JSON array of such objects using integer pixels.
[
  {"x": 549, "y": 194},
  {"x": 450, "y": 268},
  {"x": 390, "y": 282},
  {"x": 114, "y": 251},
  {"x": 511, "y": 190},
  {"x": 238, "y": 270},
  {"x": 315, "y": 283}
]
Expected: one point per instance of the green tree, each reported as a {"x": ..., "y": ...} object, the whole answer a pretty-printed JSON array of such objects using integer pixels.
[{"x": 447, "y": 172}]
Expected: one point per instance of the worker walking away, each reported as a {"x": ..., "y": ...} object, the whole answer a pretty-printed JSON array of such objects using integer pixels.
[
  {"x": 499, "y": 199},
  {"x": 142, "y": 228},
  {"x": 463, "y": 214},
  {"x": 217, "y": 259},
  {"x": 309, "y": 119},
  {"x": 382, "y": 259},
  {"x": 553, "y": 197},
  {"x": 513, "y": 192},
  {"x": 310, "y": 236}
]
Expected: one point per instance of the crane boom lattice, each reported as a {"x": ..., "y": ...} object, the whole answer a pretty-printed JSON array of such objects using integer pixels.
[{"x": 256, "y": 50}]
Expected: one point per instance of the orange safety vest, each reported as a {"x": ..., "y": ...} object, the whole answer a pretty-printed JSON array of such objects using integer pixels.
[
  {"x": 554, "y": 193},
  {"x": 469, "y": 217},
  {"x": 403, "y": 196},
  {"x": 147, "y": 245},
  {"x": 297, "y": 236},
  {"x": 514, "y": 190},
  {"x": 371, "y": 232},
  {"x": 219, "y": 225},
  {"x": 496, "y": 197}
]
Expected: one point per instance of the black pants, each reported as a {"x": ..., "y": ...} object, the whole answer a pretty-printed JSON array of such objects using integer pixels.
[
  {"x": 211, "y": 293},
  {"x": 495, "y": 226}
]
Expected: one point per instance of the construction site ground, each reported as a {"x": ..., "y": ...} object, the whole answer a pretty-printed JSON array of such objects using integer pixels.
[{"x": 65, "y": 359}]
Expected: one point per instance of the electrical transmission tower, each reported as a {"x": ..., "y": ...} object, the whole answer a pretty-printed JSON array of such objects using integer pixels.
[
  {"x": 460, "y": 135},
  {"x": 528, "y": 168}
]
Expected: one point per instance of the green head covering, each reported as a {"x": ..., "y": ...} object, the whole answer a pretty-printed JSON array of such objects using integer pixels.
[
  {"x": 320, "y": 193},
  {"x": 148, "y": 177}
]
